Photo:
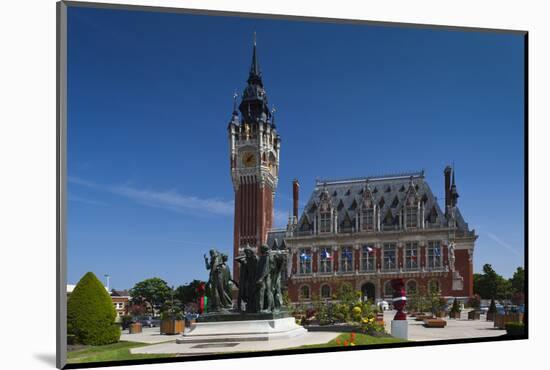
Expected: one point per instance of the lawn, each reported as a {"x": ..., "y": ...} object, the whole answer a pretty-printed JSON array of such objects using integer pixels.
[
  {"x": 360, "y": 340},
  {"x": 110, "y": 352}
]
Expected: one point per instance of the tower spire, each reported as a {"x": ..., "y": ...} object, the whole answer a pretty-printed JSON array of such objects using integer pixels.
[
  {"x": 254, "y": 105},
  {"x": 255, "y": 75}
]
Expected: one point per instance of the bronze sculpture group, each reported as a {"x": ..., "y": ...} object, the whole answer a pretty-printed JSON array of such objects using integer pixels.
[{"x": 259, "y": 286}]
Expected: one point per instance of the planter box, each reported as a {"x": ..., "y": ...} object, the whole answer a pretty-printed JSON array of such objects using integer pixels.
[
  {"x": 440, "y": 314},
  {"x": 490, "y": 316},
  {"x": 473, "y": 315},
  {"x": 435, "y": 323},
  {"x": 135, "y": 328},
  {"x": 423, "y": 317},
  {"x": 171, "y": 327},
  {"x": 454, "y": 315},
  {"x": 501, "y": 320}
]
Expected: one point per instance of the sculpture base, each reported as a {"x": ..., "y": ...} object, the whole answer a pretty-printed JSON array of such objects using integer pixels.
[
  {"x": 242, "y": 316},
  {"x": 246, "y": 329},
  {"x": 400, "y": 329}
]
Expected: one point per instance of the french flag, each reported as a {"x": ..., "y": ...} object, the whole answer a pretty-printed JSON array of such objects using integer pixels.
[
  {"x": 369, "y": 249},
  {"x": 304, "y": 257},
  {"x": 325, "y": 254}
]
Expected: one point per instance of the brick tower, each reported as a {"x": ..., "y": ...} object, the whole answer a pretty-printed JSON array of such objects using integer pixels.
[{"x": 254, "y": 158}]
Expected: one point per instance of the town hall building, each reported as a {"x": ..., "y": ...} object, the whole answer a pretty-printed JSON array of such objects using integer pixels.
[{"x": 363, "y": 231}]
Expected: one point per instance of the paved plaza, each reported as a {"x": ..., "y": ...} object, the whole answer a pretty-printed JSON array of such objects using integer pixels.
[
  {"x": 148, "y": 335},
  {"x": 455, "y": 329},
  {"x": 190, "y": 349}
]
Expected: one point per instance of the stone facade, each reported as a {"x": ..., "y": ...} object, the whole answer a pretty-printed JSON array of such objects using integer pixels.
[{"x": 348, "y": 234}]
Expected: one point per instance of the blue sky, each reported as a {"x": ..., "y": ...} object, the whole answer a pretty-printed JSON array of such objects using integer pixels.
[{"x": 150, "y": 96}]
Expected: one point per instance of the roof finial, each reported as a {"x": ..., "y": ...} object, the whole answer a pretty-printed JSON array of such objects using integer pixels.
[
  {"x": 273, "y": 110},
  {"x": 235, "y": 95}
]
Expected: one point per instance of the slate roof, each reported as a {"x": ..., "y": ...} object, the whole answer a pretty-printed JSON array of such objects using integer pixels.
[
  {"x": 275, "y": 239},
  {"x": 120, "y": 293},
  {"x": 388, "y": 192}
]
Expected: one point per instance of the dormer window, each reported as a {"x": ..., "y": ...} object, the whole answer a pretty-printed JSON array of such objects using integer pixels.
[
  {"x": 412, "y": 216},
  {"x": 324, "y": 221},
  {"x": 432, "y": 217},
  {"x": 367, "y": 220}
]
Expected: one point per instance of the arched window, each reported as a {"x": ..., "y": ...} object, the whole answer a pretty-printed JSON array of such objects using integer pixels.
[
  {"x": 325, "y": 291},
  {"x": 304, "y": 292},
  {"x": 434, "y": 285},
  {"x": 412, "y": 287},
  {"x": 388, "y": 290}
]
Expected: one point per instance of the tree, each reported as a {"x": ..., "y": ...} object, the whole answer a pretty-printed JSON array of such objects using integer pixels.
[
  {"x": 455, "y": 308},
  {"x": 154, "y": 291},
  {"x": 91, "y": 313},
  {"x": 492, "y": 285},
  {"x": 518, "y": 280},
  {"x": 187, "y": 293}
]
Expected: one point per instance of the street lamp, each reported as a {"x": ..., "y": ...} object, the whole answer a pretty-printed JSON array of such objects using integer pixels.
[{"x": 107, "y": 277}]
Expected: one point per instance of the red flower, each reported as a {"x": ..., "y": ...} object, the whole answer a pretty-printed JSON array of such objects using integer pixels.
[
  {"x": 338, "y": 341},
  {"x": 346, "y": 343}
]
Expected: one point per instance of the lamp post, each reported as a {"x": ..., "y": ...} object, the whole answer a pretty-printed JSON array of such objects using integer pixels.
[{"x": 108, "y": 287}]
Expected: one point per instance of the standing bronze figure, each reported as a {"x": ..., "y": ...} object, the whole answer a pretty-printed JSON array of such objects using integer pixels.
[
  {"x": 247, "y": 279},
  {"x": 218, "y": 298},
  {"x": 276, "y": 266},
  {"x": 264, "y": 298}
]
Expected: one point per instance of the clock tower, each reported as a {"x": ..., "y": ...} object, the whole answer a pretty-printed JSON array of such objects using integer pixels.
[{"x": 254, "y": 159}]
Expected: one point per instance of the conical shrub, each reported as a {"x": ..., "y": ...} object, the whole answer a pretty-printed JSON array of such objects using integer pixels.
[{"x": 91, "y": 314}]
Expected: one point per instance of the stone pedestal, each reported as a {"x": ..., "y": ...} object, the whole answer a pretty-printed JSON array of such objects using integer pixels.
[
  {"x": 400, "y": 329},
  {"x": 242, "y": 327}
]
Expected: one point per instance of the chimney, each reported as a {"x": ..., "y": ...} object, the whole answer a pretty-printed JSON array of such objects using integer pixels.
[
  {"x": 447, "y": 173},
  {"x": 295, "y": 194}
]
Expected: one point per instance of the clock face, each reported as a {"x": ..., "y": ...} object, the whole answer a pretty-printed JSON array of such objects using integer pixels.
[{"x": 249, "y": 159}]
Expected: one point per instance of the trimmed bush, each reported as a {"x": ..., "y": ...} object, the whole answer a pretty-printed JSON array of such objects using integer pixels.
[
  {"x": 492, "y": 307},
  {"x": 515, "y": 328},
  {"x": 455, "y": 308},
  {"x": 91, "y": 314}
]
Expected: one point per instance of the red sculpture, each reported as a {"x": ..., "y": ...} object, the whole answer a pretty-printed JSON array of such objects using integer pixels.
[
  {"x": 201, "y": 294},
  {"x": 399, "y": 298}
]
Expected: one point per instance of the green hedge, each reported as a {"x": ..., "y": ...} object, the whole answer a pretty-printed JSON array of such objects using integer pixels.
[
  {"x": 91, "y": 314},
  {"x": 515, "y": 328}
]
